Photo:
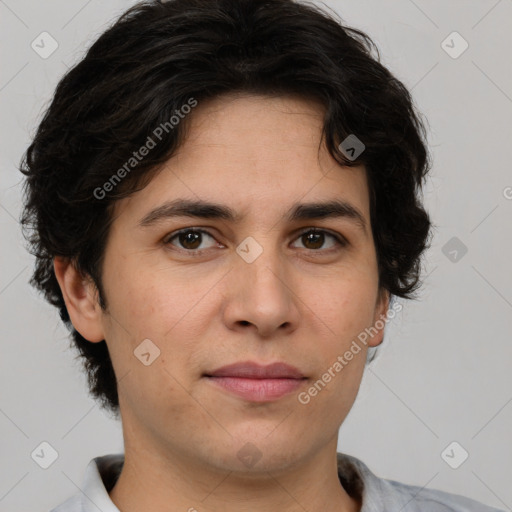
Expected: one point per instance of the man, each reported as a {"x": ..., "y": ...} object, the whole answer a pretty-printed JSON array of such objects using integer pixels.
[{"x": 224, "y": 203}]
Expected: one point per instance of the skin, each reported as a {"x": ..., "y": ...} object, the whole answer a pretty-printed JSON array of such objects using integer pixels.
[{"x": 300, "y": 301}]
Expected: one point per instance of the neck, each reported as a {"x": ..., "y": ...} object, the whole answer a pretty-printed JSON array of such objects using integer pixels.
[{"x": 153, "y": 481}]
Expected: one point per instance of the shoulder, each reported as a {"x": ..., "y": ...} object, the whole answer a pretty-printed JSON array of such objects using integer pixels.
[
  {"x": 100, "y": 476},
  {"x": 418, "y": 499},
  {"x": 380, "y": 494},
  {"x": 73, "y": 504}
]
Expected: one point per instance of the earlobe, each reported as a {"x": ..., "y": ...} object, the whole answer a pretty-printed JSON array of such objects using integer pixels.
[{"x": 79, "y": 295}]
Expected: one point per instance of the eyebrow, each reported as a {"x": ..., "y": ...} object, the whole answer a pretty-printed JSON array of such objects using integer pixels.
[{"x": 207, "y": 210}]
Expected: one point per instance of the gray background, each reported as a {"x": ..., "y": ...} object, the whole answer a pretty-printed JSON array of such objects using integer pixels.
[{"x": 444, "y": 373}]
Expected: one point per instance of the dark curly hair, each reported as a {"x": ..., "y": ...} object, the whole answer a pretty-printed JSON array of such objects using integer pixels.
[{"x": 152, "y": 61}]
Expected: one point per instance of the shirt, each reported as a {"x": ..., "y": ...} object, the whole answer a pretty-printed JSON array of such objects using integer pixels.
[{"x": 376, "y": 494}]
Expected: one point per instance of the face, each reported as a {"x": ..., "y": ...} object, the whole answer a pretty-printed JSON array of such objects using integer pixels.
[{"x": 260, "y": 287}]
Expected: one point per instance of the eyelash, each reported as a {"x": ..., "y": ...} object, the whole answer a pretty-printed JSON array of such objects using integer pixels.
[{"x": 341, "y": 241}]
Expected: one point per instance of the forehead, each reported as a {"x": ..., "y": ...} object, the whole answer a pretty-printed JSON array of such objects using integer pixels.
[
  {"x": 256, "y": 154},
  {"x": 259, "y": 129}
]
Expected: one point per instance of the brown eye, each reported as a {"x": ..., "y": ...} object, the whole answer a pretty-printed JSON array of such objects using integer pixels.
[
  {"x": 314, "y": 239},
  {"x": 189, "y": 239}
]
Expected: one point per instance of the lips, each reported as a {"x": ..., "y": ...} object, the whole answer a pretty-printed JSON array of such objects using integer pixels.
[
  {"x": 252, "y": 370},
  {"x": 257, "y": 383}
]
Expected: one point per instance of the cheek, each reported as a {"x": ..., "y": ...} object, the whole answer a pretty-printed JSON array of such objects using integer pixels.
[
  {"x": 156, "y": 395},
  {"x": 156, "y": 304},
  {"x": 341, "y": 312},
  {"x": 330, "y": 396},
  {"x": 150, "y": 299},
  {"x": 345, "y": 306}
]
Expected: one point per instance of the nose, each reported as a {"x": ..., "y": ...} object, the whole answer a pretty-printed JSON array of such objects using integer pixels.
[{"x": 261, "y": 295}]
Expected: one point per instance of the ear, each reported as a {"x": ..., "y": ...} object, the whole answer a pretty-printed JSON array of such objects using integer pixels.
[
  {"x": 79, "y": 295},
  {"x": 379, "y": 320}
]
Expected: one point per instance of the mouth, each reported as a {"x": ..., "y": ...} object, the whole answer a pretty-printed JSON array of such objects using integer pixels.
[
  {"x": 255, "y": 382},
  {"x": 257, "y": 390}
]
